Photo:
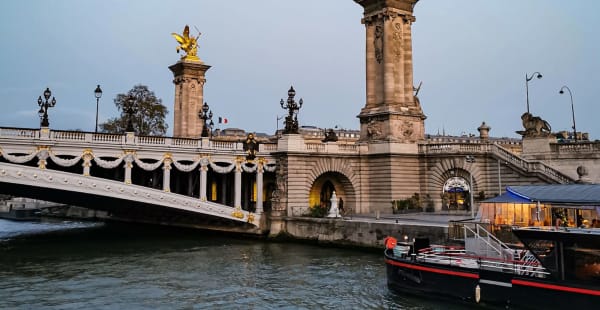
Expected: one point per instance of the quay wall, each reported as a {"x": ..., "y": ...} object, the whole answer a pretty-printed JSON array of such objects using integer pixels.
[{"x": 359, "y": 233}]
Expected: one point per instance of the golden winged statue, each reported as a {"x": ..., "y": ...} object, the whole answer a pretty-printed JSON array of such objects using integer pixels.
[{"x": 188, "y": 44}]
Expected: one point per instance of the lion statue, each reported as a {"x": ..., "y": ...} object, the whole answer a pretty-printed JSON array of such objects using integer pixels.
[{"x": 535, "y": 126}]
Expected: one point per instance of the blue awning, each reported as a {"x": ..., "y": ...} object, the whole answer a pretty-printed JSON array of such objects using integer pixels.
[
  {"x": 508, "y": 197},
  {"x": 570, "y": 194}
]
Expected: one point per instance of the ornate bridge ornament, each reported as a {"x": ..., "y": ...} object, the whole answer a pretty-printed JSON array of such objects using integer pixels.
[
  {"x": 330, "y": 136},
  {"x": 237, "y": 213},
  {"x": 291, "y": 121},
  {"x": 534, "y": 126},
  {"x": 188, "y": 44},
  {"x": 43, "y": 153},
  {"x": 250, "y": 147}
]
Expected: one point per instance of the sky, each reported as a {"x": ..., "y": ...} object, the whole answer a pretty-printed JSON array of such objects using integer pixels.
[{"x": 471, "y": 55}]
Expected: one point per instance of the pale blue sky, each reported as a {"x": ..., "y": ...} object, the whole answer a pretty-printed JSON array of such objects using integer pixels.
[{"x": 471, "y": 55}]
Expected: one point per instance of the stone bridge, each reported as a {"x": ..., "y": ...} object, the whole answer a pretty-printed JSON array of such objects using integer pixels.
[{"x": 197, "y": 181}]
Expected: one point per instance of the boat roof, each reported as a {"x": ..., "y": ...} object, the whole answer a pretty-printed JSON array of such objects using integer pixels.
[
  {"x": 576, "y": 194},
  {"x": 508, "y": 197}
]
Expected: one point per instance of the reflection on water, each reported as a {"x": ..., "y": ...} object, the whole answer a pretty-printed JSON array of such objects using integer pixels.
[{"x": 71, "y": 265}]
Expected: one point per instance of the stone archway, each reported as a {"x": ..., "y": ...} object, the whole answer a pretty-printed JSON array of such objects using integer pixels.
[
  {"x": 342, "y": 177},
  {"x": 443, "y": 169},
  {"x": 323, "y": 187},
  {"x": 456, "y": 192}
]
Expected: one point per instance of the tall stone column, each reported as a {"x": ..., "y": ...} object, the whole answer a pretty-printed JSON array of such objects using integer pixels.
[
  {"x": 392, "y": 111},
  {"x": 259, "y": 186},
  {"x": 203, "y": 172},
  {"x": 189, "y": 95},
  {"x": 238, "y": 185}
]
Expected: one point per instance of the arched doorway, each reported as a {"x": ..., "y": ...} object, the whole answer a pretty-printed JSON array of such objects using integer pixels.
[
  {"x": 456, "y": 194},
  {"x": 323, "y": 187}
]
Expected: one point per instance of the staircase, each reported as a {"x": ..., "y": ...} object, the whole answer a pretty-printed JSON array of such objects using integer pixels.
[
  {"x": 527, "y": 166},
  {"x": 480, "y": 242}
]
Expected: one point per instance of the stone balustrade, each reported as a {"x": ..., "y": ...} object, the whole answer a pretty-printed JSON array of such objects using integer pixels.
[
  {"x": 19, "y": 133},
  {"x": 454, "y": 148},
  {"x": 579, "y": 147}
]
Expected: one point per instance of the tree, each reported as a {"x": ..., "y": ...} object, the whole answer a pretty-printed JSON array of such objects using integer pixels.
[{"x": 148, "y": 116}]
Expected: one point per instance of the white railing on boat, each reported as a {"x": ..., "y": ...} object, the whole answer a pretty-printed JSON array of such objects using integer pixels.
[{"x": 528, "y": 265}]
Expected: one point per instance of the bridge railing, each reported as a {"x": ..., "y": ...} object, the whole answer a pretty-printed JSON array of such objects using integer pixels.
[
  {"x": 454, "y": 148},
  {"x": 579, "y": 147},
  {"x": 61, "y": 135},
  {"x": 108, "y": 138},
  {"x": 19, "y": 133},
  {"x": 115, "y": 139}
]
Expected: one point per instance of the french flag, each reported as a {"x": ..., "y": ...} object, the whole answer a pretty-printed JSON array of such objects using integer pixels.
[{"x": 222, "y": 120}]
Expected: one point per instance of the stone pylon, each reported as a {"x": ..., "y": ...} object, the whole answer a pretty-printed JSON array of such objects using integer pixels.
[
  {"x": 189, "y": 79},
  {"x": 392, "y": 111}
]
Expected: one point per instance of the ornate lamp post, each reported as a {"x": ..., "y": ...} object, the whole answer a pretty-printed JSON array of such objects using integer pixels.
[
  {"x": 527, "y": 79},
  {"x": 130, "y": 110},
  {"x": 205, "y": 114},
  {"x": 97, "y": 94},
  {"x": 471, "y": 159},
  {"x": 572, "y": 109},
  {"x": 44, "y": 105},
  {"x": 291, "y": 121}
]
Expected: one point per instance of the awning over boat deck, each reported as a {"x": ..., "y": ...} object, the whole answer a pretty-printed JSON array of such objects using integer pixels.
[{"x": 568, "y": 194}]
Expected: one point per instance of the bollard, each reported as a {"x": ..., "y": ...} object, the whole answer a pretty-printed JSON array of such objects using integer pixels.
[{"x": 377, "y": 214}]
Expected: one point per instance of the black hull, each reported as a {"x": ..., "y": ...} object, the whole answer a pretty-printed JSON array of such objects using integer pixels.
[{"x": 486, "y": 287}]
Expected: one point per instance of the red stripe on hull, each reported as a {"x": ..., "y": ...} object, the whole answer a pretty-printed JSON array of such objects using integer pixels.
[
  {"x": 556, "y": 287},
  {"x": 435, "y": 270}
]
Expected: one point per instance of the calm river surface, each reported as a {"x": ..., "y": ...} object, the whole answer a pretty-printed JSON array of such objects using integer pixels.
[{"x": 74, "y": 265}]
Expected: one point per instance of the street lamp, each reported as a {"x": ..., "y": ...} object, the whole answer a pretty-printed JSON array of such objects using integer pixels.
[
  {"x": 527, "y": 79},
  {"x": 44, "y": 105},
  {"x": 205, "y": 114},
  {"x": 130, "y": 110},
  {"x": 471, "y": 159},
  {"x": 98, "y": 94},
  {"x": 291, "y": 121},
  {"x": 572, "y": 109}
]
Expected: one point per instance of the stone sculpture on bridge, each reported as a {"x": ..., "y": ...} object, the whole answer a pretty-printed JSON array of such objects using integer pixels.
[
  {"x": 534, "y": 126},
  {"x": 250, "y": 147},
  {"x": 187, "y": 43}
]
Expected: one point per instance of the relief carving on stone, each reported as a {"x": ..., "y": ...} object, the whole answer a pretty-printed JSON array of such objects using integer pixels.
[
  {"x": 278, "y": 198},
  {"x": 397, "y": 39},
  {"x": 374, "y": 129},
  {"x": 378, "y": 42},
  {"x": 407, "y": 129}
]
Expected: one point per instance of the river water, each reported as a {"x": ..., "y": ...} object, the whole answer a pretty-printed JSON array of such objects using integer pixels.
[{"x": 79, "y": 265}]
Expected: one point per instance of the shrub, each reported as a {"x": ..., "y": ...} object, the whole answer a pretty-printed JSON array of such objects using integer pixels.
[{"x": 318, "y": 211}]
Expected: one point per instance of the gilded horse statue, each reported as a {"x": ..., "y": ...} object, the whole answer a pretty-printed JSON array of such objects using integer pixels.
[
  {"x": 534, "y": 126},
  {"x": 187, "y": 43}
]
